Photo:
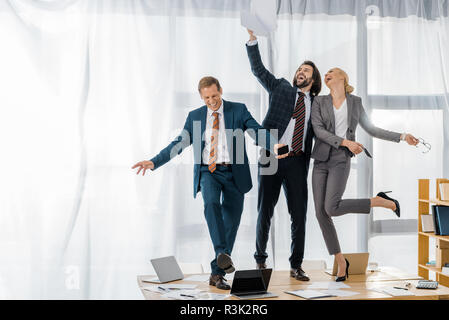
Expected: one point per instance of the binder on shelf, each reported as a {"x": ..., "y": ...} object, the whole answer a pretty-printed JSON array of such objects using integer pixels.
[
  {"x": 435, "y": 220},
  {"x": 442, "y": 217},
  {"x": 427, "y": 223},
  {"x": 444, "y": 191}
]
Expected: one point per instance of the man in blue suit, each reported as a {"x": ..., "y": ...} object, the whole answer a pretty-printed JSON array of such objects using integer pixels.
[{"x": 221, "y": 170}]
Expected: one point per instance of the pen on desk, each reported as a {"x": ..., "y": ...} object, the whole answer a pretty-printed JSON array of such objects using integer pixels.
[
  {"x": 163, "y": 289},
  {"x": 400, "y": 288},
  {"x": 186, "y": 295}
]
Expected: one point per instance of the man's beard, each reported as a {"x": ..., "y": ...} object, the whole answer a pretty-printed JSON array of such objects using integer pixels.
[{"x": 303, "y": 84}]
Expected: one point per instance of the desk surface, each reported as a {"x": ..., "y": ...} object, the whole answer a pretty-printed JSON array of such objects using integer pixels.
[{"x": 363, "y": 284}]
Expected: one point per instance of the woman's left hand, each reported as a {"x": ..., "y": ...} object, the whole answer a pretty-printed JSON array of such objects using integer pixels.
[{"x": 411, "y": 140}]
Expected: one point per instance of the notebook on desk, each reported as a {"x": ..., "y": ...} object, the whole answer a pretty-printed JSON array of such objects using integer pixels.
[
  {"x": 167, "y": 269},
  {"x": 358, "y": 262},
  {"x": 252, "y": 284}
]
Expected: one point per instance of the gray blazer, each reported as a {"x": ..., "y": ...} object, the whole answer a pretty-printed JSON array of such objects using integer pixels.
[{"x": 323, "y": 122}]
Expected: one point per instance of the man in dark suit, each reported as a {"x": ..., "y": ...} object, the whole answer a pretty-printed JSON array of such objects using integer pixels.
[
  {"x": 221, "y": 170},
  {"x": 289, "y": 112}
]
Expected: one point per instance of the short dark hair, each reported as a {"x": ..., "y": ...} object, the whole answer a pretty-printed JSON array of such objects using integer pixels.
[
  {"x": 208, "y": 81},
  {"x": 316, "y": 77}
]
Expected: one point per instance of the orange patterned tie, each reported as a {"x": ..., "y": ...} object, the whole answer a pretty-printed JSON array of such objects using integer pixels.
[{"x": 213, "y": 144}]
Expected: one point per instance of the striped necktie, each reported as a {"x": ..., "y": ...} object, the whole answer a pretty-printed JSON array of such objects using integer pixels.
[
  {"x": 213, "y": 144},
  {"x": 300, "y": 115}
]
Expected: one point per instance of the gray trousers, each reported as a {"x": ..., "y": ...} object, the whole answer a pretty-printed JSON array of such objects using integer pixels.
[{"x": 328, "y": 183}]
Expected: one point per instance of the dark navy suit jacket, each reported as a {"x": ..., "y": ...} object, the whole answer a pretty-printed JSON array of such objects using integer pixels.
[
  {"x": 282, "y": 99},
  {"x": 236, "y": 117}
]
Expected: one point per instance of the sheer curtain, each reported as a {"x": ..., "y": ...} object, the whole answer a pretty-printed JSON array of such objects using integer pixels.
[{"x": 88, "y": 88}]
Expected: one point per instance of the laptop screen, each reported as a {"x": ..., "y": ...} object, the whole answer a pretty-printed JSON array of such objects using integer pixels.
[{"x": 250, "y": 281}]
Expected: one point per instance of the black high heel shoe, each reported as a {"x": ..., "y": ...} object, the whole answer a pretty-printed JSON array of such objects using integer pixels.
[
  {"x": 346, "y": 275},
  {"x": 398, "y": 209}
]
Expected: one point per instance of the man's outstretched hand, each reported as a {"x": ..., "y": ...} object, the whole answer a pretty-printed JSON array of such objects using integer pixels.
[{"x": 145, "y": 165}]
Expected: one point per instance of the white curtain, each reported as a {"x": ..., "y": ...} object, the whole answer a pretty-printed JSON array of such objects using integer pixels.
[{"x": 88, "y": 88}]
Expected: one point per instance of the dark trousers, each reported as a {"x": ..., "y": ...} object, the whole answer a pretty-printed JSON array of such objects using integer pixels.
[
  {"x": 292, "y": 175},
  {"x": 223, "y": 206}
]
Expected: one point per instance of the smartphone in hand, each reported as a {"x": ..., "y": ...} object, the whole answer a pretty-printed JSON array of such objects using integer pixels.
[{"x": 282, "y": 150}]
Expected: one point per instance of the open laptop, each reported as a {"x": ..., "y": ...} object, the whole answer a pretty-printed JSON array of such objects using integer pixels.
[
  {"x": 167, "y": 269},
  {"x": 358, "y": 262},
  {"x": 252, "y": 284}
]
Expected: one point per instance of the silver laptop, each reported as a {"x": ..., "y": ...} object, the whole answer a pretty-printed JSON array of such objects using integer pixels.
[
  {"x": 358, "y": 262},
  {"x": 167, "y": 269}
]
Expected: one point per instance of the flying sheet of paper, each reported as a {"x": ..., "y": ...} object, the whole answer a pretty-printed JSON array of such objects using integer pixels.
[
  {"x": 261, "y": 18},
  {"x": 331, "y": 285}
]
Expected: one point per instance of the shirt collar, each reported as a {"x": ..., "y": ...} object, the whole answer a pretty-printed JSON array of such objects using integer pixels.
[
  {"x": 219, "y": 111},
  {"x": 307, "y": 94}
]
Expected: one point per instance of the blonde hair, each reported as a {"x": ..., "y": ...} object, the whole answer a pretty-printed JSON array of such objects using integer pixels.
[{"x": 348, "y": 88}]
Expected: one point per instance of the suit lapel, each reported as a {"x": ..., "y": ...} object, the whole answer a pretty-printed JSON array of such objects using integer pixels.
[
  {"x": 203, "y": 118},
  {"x": 330, "y": 111},
  {"x": 350, "y": 106},
  {"x": 229, "y": 123}
]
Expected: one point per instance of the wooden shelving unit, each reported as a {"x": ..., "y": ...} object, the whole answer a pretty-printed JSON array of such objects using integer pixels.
[{"x": 424, "y": 203}]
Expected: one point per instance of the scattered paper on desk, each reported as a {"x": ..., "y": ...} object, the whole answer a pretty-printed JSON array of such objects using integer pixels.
[
  {"x": 178, "y": 286},
  {"x": 198, "y": 278},
  {"x": 331, "y": 285},
  {"x": 341, "y": 293},
  {"x": 393, "y": 291},
  {"x": 153, "y": 288},
  {"x": 309, "y": 294},
  {"x": 213, "y": 296},
  {"x": 182, "y": 294},
  {"x": 150, "y": 279},
  {"x": 261, "y": 18}
]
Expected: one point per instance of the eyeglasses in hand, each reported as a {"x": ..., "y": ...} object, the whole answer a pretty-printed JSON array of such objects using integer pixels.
[{"x": 425, "y": 144}]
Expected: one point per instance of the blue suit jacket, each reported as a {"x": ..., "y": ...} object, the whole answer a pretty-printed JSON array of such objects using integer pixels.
[
  {"x": 236, "y": 116},
  {"x": 282, "y": 99}
]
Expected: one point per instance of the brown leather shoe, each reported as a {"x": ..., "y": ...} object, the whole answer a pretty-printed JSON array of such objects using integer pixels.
[
  {"x": 261, "y": 265},
  {"x": 219, "y": 281},
  {"x": 299, "y": 274}
]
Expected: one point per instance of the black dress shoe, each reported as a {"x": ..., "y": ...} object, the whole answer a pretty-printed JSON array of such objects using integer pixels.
[
  {"x": 261, "y": 265},
  {"x": 383, "y": 195},
  {"x": 299, "y": 274},
  {"x": 219, "y": 281},
  {"x": 339, "y": 279},
  {"x": 224, "y": 262}
]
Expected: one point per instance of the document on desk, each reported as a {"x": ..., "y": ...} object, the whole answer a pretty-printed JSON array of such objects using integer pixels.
[
  {"x": 198, "y": 278},
  {"x": 182, "y": 294},
  {"x": 341, "y": 293},
  {"x": 330, "y": 285},
  {"x": 393, "y": 291},
  {"x": 153, "y": 288},
  {"x": 310, "y": 294},
  {"x": 177, "y": 286},
  {"x": 213, "y": 296}
]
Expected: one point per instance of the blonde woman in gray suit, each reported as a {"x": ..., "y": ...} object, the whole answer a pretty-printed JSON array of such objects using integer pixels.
[{"x": 334, "y": 119}]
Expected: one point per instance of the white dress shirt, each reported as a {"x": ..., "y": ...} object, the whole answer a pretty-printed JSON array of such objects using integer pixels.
[
  {"x": 222, "y": 147},
  {"x": 341, "y": 120},
  {"x": 287, "y": 137}
]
